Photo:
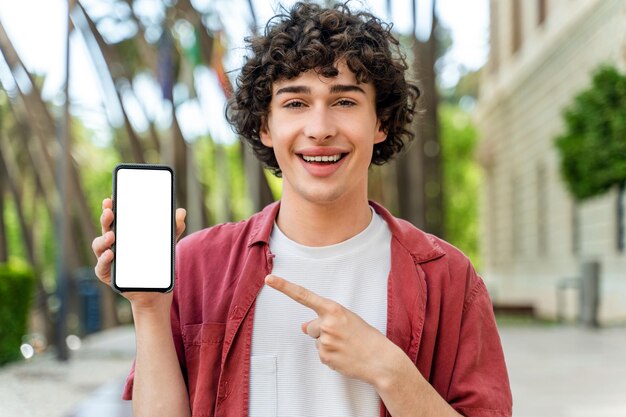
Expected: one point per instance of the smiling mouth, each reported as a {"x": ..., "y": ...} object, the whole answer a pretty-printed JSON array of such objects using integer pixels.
[{"x": 326, "y": 159}]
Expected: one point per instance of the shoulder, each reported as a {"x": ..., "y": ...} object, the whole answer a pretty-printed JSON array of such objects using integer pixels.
[
  {"x": 423, "y": 247},
  {"x": 229, "y": 237},
  {"x": 447, "y": 270},
  {"x": 435, "y": 253},
  {"x": 454, "y": 257},
  {"x": 224, "y": 234}
]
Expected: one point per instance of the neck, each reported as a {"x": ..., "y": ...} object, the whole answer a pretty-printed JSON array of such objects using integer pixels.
[{"x": 313, "y": 224}]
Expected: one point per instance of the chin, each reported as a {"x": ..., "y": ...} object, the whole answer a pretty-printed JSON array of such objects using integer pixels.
[{"x": 324, "y": 196}]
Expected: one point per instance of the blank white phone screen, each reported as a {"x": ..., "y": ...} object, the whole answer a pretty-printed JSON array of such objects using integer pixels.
[{"x": 143, "y": 241}]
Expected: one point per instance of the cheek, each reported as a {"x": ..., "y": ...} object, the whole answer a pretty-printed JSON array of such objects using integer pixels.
[
  {"x": 281, "y": 136},
  {"x": 280, "y": 148}
]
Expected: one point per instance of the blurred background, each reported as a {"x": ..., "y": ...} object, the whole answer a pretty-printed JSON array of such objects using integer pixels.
[{"x": 519, "y": 160}]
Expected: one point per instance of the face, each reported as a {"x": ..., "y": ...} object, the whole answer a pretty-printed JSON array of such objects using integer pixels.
[{"x": 323, "y": 131}]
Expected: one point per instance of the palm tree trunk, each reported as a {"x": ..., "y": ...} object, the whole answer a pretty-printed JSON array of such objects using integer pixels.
[
  {"x": 11, "y": 173},
  {"x": 43, "y": 124},
  {"x": 258, "y": 187},
  {"x": 41, "y": 295},
  {"x": 4, "y": 248},
  {"x": 111, "y": 58},
  {"x": 419, "y": 170}
]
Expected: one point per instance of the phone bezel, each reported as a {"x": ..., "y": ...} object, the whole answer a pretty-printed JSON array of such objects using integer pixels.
[{"x": 134, "y": 166}]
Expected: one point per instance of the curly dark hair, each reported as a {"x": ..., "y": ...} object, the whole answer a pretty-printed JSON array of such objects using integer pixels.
[{"x": 308, "y": 36}]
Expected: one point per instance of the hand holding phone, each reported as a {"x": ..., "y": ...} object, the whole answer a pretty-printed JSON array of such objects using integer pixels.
[{"x": 102, "y": 249}]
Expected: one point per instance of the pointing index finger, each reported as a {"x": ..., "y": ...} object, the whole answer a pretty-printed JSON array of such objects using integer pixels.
[{"x": 299, "y": 294}]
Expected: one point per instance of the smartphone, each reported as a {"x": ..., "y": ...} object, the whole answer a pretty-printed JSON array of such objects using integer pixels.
[{"x": 144, "y": 226}]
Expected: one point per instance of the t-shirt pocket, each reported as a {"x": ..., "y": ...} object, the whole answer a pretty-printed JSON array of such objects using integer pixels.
[{"x": 263, "y": 389}]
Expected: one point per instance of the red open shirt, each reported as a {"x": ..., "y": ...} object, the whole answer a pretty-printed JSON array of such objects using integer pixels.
[{"x": 439, "y": 313}]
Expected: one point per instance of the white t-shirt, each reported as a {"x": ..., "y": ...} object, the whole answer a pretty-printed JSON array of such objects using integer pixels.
[{"x": 287, "y": 378}]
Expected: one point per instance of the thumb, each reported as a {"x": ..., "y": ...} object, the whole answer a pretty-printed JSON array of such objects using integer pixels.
[{"x": 181, "y": 214}]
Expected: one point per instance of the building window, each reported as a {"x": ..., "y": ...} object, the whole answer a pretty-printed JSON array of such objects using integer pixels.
[
  {"x": 575, "y": 216},
  {"x": 494, "y": 254},
  {"x": 542, "y": 211},
  {"x": 517, "y": 25},
  {"x": 516, "y": 211},
  {"x": 541, "y": 11},
  {"x": 494, "y": 36}
]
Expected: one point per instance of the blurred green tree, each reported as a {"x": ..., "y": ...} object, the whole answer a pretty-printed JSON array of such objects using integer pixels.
[
  {"x": 17, "y": 283},
  {"x": 593, "y": 146},
  {"x": 462, "y": 177}
]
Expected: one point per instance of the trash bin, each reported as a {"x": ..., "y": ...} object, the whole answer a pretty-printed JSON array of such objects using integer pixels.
[
  {"x": 589, "y": 293},
  {"x": 89, "y": 300}
]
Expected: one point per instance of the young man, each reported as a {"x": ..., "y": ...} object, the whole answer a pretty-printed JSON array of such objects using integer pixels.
[{"x": 322, "y": 304}]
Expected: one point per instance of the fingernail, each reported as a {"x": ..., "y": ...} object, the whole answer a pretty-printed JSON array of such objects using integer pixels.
[{"x": 269, "y": 279}]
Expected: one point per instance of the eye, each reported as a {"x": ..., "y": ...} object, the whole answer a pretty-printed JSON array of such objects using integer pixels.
[
  {"x": 345, "y": 103},
  {"x": 294, "y": 104}
]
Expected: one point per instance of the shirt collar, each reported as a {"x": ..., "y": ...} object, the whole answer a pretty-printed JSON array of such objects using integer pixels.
[
  {"x": 262, "y": 224},
  {"x": 423, "y": 247}
]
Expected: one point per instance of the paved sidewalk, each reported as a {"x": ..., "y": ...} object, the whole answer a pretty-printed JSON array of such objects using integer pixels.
[
  {"x": 554, "y": 372},
  {"x": 566, "y": 371},
  {"x": 89, "y": 384}
]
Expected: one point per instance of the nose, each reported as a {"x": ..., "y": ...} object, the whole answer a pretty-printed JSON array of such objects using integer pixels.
[{"x": 320, "y": 125}]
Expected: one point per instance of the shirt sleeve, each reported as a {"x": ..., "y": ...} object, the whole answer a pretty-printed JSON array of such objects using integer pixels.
[
  {"x": 127, "y": 393},
  {"x": 480, "y": 382}
]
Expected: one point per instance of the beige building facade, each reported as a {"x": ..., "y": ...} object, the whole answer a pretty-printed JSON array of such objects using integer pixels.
[{"x": 533, "y": 234}]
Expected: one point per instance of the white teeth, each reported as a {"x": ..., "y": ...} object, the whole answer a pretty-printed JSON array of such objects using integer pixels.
[{"x": 330, "y": 158}]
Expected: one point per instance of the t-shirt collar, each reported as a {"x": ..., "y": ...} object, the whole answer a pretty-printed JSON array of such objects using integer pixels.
[{"x": 422, "y": 246}]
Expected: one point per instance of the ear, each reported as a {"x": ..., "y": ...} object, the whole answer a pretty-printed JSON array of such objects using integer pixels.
[
  {"x": 264, "y": 135},
  {"x": 380, "y": 135}
]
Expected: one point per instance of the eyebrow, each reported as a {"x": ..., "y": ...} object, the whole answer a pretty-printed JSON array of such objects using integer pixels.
[
  {"x": 297, "y": 89},
  {"x": 343, "y": 88},
  {"x": 336, "y": 88}
]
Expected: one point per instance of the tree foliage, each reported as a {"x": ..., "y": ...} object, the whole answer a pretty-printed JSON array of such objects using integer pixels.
[
  {"x": 593, "y": 147},
  {"x": 17, "y": 284},
  {"x": 461, "y": 180}
]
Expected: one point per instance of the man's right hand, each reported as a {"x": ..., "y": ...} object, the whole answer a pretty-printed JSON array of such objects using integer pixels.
[{"x": 101, "y": 247}]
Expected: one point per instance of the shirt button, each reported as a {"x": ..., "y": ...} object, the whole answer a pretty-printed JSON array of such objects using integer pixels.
[{"x": 222, "y": 391}]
